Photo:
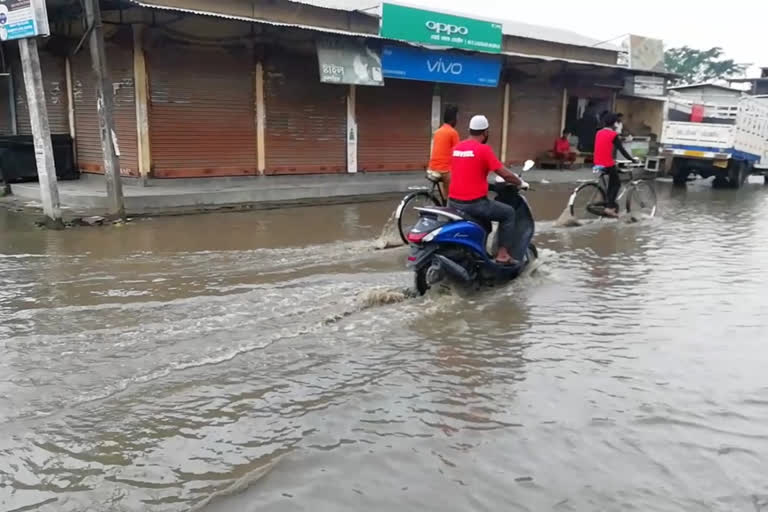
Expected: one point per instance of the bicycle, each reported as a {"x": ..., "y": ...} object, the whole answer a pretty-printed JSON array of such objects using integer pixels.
[
  {"x": 588, "y": 200},
  {"x": 407, "y": 215}
]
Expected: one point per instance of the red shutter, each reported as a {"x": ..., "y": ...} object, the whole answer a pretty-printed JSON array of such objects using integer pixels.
[
  {"x": 55, "y": 86},
  {"x": 120, "y": 61},
  {"x": 534, "y": 119},
  {"x": 473, "y": 101},
  {"x": 394, "y": 126},
  {"x": 89, "y": 154},
  {"x": 306, "y": 120},
  {"x": 202, "y": 120}
]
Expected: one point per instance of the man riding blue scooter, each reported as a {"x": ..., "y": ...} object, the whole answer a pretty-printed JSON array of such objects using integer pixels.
[{"x": 472, "y": 161}]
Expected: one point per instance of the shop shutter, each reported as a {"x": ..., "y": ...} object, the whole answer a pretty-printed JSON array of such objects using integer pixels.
[
  {"x": 534, "y": 119},
  {"x": 473, "y": 101},
  {"x": 394, "y": 126},
  {"x": 202, "y": 120},
  {"x": 89, "y": 154},
  {"x": 120, "y": 60},
  {"x": 55, "y": 85},
  {"x": 306, "y": 119},
  {"x": 6, "y": 127}
]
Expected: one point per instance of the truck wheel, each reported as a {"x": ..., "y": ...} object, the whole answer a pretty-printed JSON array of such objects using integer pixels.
[
  {"x": 765, "y": 179},
  {"x": 680, "y": 179},
  {"x": 737, "y": 174},
  {"x": 679, "y": 172}
]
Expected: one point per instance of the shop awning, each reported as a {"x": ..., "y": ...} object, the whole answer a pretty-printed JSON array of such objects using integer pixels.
[
  {"x": 548, "y": 58},
  {"x": 168, "y": 5}
]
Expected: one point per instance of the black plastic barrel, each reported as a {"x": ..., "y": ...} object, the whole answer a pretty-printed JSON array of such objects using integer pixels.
[{"x": 17, "y": 158}]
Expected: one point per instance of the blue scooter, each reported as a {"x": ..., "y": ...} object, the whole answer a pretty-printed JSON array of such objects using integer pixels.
[{"x": 448, "y": 245}]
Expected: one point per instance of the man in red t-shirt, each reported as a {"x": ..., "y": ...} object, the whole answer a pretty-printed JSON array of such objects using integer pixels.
[
  {"x": 472, "y": 160},
  {"x": 563, "y": 152},
  {"x": 607, "y": 143}
]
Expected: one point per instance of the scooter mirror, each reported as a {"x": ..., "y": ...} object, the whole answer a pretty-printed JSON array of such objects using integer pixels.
[{"x": 528, "y": 165}]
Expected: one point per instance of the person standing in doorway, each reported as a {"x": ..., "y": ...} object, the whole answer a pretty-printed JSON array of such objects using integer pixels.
[{"x": 445, "y": 139}]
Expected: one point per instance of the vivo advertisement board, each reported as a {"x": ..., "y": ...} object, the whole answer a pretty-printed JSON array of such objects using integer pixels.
[{"x": 440, "y": 66}]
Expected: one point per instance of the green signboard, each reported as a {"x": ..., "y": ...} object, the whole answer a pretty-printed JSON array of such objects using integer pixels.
[{"x": 434, "y": 28}]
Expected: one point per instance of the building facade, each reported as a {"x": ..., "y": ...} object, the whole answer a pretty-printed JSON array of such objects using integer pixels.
[{"x": 236, "y": 92}]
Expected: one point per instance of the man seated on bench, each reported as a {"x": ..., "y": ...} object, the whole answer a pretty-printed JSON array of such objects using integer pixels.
[{"x": 563, "y": 153}]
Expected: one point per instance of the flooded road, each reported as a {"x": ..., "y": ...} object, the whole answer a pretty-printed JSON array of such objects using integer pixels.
[{"x": 269, "y": 361}]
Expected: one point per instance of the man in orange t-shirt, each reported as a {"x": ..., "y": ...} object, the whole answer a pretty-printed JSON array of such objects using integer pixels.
[{"x": 446, "y": 137}]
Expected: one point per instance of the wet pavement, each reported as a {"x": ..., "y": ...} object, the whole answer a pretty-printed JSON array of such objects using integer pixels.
[{"x": 270, "y": 361}]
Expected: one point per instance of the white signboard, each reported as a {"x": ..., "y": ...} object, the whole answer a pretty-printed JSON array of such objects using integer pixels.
[
  {"x": 21, "y": 19},
  {"x": 645, "y": 85}
]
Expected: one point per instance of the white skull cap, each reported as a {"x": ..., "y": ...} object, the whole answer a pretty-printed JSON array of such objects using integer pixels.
[{"x": 479, "y": 123}]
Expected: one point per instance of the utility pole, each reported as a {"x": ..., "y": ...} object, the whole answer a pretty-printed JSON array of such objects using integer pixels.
[
  {"x": 105, "y": 105},
  {"x": 41, "y": 131}
]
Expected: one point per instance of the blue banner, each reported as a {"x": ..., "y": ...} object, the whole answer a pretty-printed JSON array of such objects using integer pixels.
[{"x": 440, "y": 66}]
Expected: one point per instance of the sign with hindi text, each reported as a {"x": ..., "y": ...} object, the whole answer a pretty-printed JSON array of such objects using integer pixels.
[
  {"x": 343, "y": 61},
  {"x": 20, "y": 19}
]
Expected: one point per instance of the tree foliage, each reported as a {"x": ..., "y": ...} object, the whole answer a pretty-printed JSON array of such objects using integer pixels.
[{"x": 696, "y": 66}]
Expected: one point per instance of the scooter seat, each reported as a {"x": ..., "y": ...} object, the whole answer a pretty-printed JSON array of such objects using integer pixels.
[
  {"x": 456, "y": 214},
  {"x": 464, "y": 215}
]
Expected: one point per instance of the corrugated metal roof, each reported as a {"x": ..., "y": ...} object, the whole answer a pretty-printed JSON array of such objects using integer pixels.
[
  {"x": 372, "y": 6},
  {"x": 152, "y": 5},
  {"x": 509, "y": 27},
  {"x": 549, "y": 58},
  {"x": 704, "y": 84}
]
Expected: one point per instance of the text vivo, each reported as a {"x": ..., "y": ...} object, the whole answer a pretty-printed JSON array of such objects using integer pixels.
[{"x": 440, "y": 66}]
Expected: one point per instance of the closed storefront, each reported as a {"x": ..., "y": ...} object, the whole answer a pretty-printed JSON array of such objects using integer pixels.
[
  {"x": 55, "y": 84},
  {"x": 88, "y": 141},
  {"x": 202, "y": 114},
  {"x": 476, "y": 100},
  {"x": 6, "y": 104},
  {"x": 306, "y": 120},
  {"x": 535, "y": 115},
  {"x": 468, "y": 81},
  {"x": 394, "y": 126}
]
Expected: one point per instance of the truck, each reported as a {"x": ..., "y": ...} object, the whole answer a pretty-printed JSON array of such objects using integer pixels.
[{"x": 727, "y": 141}]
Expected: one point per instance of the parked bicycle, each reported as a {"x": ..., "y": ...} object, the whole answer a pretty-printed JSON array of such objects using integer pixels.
[
  {"x": 407, "y": 215},
  {"x": 588, "y": 201}
]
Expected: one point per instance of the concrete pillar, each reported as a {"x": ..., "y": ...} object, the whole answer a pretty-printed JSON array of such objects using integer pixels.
[
  {"x": 261, "y": 119},
  {"x": 41, "y": 130},
  {"x": 564, "y": 111},
  {"x": 71, "y": 104},
  {"x": 105, "y": 106},
  {"x": 437, "y": 116},
  {"x": 141, "y": 86},
  {"x": 352, "y": 132},
  {"x": 505, "y": 122}
]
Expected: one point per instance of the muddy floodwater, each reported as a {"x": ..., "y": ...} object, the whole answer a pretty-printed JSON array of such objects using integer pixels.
[{"x": 269, "y": 361}]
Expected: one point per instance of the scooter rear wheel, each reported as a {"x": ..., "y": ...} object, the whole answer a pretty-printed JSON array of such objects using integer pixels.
[{"x": 420, "y": 281}]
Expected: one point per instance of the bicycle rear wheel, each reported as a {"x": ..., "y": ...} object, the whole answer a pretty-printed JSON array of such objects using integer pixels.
[
  {"x": 641, "y": 200},
  {"x": 407, "y": 216},
  {"x": 587, "y": 202}
]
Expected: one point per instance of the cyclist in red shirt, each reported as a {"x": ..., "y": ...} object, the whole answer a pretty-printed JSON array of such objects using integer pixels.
[
  {"x": 607, "y": 143},
  {"x": 472, "y": 161}
]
